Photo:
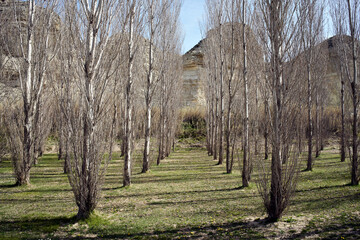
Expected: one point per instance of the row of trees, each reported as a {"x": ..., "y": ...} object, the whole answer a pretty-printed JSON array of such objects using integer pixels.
[
  {"x": 346, "y": 24},
  {"x": 91, "y": 72},
  {"x": 273, "y": 52},
  {"x": 96, "y": 71}
]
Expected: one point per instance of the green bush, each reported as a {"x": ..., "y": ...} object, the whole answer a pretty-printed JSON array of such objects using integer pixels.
[{"x": 193, "y": 129}]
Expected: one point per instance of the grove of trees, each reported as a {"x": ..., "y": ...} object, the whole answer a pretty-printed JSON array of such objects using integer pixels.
[
  {"x": 98, "y": 74},
  {"x": 274, "y": 52},
  {"x": 93, "y": 58}
]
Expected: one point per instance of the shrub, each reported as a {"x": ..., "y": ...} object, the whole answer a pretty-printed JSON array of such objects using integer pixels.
[{"x": 193, "y": 124}]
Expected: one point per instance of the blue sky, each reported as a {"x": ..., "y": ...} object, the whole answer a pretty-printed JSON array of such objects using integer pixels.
[{"x": 191, "y": 15}]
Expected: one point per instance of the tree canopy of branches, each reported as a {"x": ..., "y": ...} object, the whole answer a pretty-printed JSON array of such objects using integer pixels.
[
  {"x": 278, "y": 25},
  {"x": 34, "y": 29},
  {"x": 87, "y": 98},
  {"x": 346, "y": 21},
  {"x": 161, "y": 27}
]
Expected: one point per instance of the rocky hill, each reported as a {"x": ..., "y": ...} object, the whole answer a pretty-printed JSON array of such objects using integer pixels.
[{"x": 193, "y": 63}]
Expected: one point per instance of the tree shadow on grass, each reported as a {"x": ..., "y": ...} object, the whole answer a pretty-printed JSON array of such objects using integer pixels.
[
  {"x": 6, "y": 186},
  {"x": 169, "y": 193},
  {"x": 339, "y": 229},
  {"x": 236, "y": 230},
  {"x": 320, "y": 202},
  {"x": 51, "y": 228},
  {"x": 171, "y": 179},
  {"x": 24, "y": 189},
  {"x": 198, "y": 201},
  {"x": 49, "y": 190},
  {"x": 33, "y": 228},
  {"x": 322, "y": 188}
]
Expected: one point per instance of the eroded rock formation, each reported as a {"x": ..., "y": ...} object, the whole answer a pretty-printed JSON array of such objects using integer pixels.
[{"x": 193, "y": 63}]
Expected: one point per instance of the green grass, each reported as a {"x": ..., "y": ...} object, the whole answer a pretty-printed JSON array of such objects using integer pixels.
[{"x": 187, "y": 196}]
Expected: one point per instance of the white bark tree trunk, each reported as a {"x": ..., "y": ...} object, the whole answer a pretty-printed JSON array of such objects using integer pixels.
[
  {"x": 129, "y": 104},
  {"x": 246, "y": 167}
]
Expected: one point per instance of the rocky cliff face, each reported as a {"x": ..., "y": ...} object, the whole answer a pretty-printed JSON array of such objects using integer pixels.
[
  {"x": 193, "y": 63},
  {"x": 333, "y": 46}
]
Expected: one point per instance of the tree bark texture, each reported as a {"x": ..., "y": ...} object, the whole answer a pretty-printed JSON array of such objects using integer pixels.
[
  {"x": 129, "y": 107},
  {"x": 246, "y": 154}
]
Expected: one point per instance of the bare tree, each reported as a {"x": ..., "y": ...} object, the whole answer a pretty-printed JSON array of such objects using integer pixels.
[
  {"x": 154, "y": 15},
  {"x": 279, "y": 24},
  {"x": 169, "y": 76},
  {"x": 231, "y": 17},
  {"x": 338, "y": 22},
  {"x": 131, "y": 48},
  {"x": 321, "y": 89},
  {"x": 221, "y": 54},
  {"x": 215, "y": 44},
  {"x": 128, "y": 94},
  {"x": 311, "y": 26},
  {"x": 353, "y": 8},
  {"x": 87, "y": 96},
  {"x": 31, "y": 54},
  {"x": 246, "y": 153},
  {"x": 44, "y": 122},
  {"x": 226, "y": 57},
  {"x": 159, "y": 13},
  {"x": 212, "y": 94},
  {"x": 348, "y": 22}
]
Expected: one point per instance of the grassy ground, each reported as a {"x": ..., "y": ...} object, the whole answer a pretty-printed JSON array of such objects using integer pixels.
[{"x": 187, "y": 196}]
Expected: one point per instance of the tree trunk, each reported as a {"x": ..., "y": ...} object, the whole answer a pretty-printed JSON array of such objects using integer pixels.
[
  {"x": 67, "y": 149},
  {"x": 164, "y": 140},
  {"x": 61, "y": 140},
  {"x": 354, "y": 86},
  {"x": 148, "y": 93},
  {"x": 208, "y": 135},
  {"x": 256, "y": 128},
  {"x": 221, "y": 117},
  {"x": 85, "y": 211},
  {"x": 228, "y": 122},
  {"x": 310, "y": 125},
  {"x": 276, "y": 188},
  {"x": 168, "y": 143},
  {"x": 213, "y": 119},
  {"x": 27, "y": 146},
  {"x": 321, "y": 130},
  {"x": 232, "y": 155},
  {"x": 266, "y": 130},
  {"x": 23, "y": 178},
  {"x": 227, "y": 135},
  {"x": 342, "y": 137},
  {"x": 216, "y": 129},
  {"x": 246, "y": 167},
  {"x": 66, "y": 164},
  {"x": 146, "y": 161},
  {"x": 317, "y": 132},
  {"x": 128, "y": 112},
  {"x": 209, "y": 120},
  {"x": 276, "y": 198},
  {"x": 127, "y": 159},
  {"x": 354, "y": 163},
  {"x": 160, "y": 154}
]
